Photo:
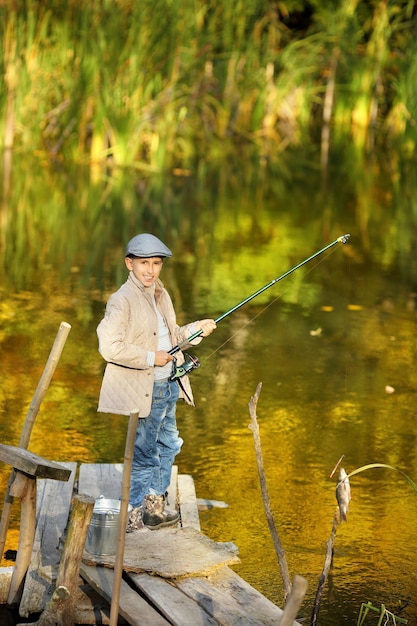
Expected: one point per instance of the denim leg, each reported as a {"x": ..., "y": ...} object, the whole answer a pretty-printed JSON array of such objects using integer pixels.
[
  {"x": 169, "y": 444},
  {"x": 156, "y": 445}
]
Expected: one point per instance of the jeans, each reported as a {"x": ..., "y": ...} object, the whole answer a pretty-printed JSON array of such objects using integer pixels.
[{"x": 156, "y": 445}]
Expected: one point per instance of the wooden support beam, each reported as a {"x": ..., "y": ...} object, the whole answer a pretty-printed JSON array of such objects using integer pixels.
[
  {"x": 23, "y": 487},
  {"x": 124, "y": 505}
]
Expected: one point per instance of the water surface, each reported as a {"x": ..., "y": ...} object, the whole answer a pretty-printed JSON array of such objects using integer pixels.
[{"x": 334, "y": 346}]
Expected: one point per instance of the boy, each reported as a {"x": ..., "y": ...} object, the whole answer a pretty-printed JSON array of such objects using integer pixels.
[{"x": 135, "y": 336}]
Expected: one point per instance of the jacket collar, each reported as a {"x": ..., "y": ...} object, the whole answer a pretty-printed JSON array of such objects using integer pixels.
[{"x": 155, "y": 290}]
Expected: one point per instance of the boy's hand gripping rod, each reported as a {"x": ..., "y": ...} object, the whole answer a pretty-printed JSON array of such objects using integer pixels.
[{"x": 192, "y": 362}]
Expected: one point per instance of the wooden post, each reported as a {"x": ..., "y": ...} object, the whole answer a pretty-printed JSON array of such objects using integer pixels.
[
  {"x": 294, "y": 600},
  {"x": 23, "y": 487},
  {"x": 43, "y": 385},
  {"x": 118, "y": 565},
  {"x": 53, "y": 608},
  {"x": 60, "y": 609}
]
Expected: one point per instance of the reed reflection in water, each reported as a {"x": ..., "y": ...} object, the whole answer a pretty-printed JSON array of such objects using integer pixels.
[{"x": 325, "y": 343}]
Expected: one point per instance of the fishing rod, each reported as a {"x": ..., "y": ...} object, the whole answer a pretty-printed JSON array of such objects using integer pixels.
[{"x": 192, "y": 362}]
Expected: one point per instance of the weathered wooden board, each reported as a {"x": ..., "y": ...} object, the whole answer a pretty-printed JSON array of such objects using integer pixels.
[
  {"x": 171, "y": 602},
  {"x": 6, "y": 574},
  {"x": 32, "y": 464},
  {"x": 90, "y": 606},
  {"x": 132, "y": 607},
  {"x": 191, "y": 583},
  {"x": 53, "y": 501},
  {"x": 105, "y": 479},
  {"x": 231, "y": 600},
  {"x": 172, "y": 498},
  {"x": 188, "y": 502},
  {"x": 101, "y": 479},
  {"x": 170, "y": 552}
]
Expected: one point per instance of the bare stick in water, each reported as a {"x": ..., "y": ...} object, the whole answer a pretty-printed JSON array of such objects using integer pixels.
[
  {"x": 326, "y": 568},
  {"x": 280, "y": 552}
]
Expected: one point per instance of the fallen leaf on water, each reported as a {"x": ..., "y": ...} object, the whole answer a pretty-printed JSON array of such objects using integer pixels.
[
  {"x": 316, "y": 333},
  {"x": 355, "y": 307},
  {"x": 326, "y": 308}
]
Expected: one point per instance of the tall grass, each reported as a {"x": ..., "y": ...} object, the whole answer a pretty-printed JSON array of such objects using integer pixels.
[{"x": 162, "y": 85}]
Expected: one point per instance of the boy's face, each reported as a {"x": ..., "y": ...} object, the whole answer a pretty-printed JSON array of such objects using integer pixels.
[{"x": 145, "y": 270}]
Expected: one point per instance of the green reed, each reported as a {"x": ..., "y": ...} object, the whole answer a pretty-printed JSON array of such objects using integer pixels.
[
  {"x": 385, "y": 616},
  {"x": 161, "y": 85}
]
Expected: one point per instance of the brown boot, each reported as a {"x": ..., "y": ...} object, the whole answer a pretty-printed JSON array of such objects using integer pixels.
[
  {"x": 155, "y": 515},
  {"x": 135, "y": 520}
]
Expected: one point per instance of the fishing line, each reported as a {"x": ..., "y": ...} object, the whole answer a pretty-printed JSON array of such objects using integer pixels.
[
  {"x": 278, "y": 297},
  {"x": 192, "y": 362}
]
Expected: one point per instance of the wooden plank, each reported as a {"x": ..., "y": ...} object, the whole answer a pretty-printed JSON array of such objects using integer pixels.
[
  {"x": 91, "y": 607},
  {"x": 169, "y": 553},
  {"x": 105, "y": 479},
  {"x": 53, "y": 503},
  {"x": 188, "y": 502},
  {"x": 172, "y": 498},
  {"x": 231, "y": 600},
  {"x": 6, "y": 574},
  {"x": 32, "y": 464},
  {"x": 23, "y": 487},
  {"x": 171, "y": 602},
  {"x": 101, "y": 479},
  {"x": 132, "y": 607}
]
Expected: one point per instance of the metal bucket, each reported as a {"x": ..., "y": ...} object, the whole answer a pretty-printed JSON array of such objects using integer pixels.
[{"x": 104, "y": 526}]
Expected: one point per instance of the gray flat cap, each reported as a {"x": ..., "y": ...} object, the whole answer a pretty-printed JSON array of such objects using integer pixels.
[{"x": 146, "y": 246}]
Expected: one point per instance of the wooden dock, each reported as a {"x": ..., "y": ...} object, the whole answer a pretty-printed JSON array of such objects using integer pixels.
[{"x": 175, "y": 576}]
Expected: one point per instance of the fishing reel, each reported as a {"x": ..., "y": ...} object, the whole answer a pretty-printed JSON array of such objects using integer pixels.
[{"x": 191, "y": 363}]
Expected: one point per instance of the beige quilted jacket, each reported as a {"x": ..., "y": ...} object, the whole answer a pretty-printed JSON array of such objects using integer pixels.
[{"x": 128, "y": 330}]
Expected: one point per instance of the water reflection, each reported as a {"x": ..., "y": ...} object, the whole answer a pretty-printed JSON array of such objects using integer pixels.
[{"x": 325, "y": 343}]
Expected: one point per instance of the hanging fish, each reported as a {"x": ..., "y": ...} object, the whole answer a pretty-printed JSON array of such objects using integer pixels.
[{"x": 343, "y": 494}]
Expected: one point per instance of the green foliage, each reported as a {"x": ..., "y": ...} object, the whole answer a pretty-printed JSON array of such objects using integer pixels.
[{"x": 161, "y": 85}]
